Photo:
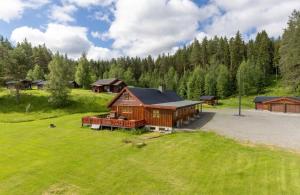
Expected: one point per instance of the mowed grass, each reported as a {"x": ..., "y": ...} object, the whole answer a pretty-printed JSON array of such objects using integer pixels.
[
  {"x": 69, "y": 159},
  {"x": 34, "y": 105}
]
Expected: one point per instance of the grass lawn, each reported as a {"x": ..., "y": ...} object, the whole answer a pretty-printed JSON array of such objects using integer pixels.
[
  {"x": 81, "y": 101},
  {"x": 68, "y": 159},
  {"x": 36, "y": 159}
]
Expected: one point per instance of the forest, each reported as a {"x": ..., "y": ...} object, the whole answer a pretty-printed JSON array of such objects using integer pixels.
[{"x": 220, "y": 66}]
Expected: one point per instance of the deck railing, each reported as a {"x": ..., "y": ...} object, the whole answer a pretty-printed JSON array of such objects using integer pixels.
[{"x": 108, "y": 122}]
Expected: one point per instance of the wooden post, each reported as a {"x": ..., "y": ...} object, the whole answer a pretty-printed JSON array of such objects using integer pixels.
[{"x": 240, "y": 95}]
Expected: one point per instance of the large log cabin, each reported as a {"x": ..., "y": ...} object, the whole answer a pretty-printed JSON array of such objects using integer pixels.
[
  {"x": 155, "y": 109},
  {"x": 112, "y": 85}
]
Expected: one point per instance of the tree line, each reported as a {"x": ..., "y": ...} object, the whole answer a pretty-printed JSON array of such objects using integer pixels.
[{"x": 217, "y": 66}]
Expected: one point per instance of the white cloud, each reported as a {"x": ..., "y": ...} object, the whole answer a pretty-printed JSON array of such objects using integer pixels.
[
  {"x": 62, "y": 14},
  {"x": 70, "y": 39},
  {"x": 88, "y": 3},
  {"x": 102, "y": 53},
  {"x": 143, "y": 27},
  {"x": 99, "y": 15},
  {"x": 13, "y": 9},
  {"x": 250, "y": 15},
  {"x": 98, "y": 35}
]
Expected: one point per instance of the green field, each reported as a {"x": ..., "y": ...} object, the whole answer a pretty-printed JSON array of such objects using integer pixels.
[{"x": 68, "y": 159}]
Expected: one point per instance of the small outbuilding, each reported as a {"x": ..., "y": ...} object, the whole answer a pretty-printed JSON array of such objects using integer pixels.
[
  {"x": 21, "y": 84},
  {"x": 112, "y": 85},
  {"x": 278, "y": 104},
  {"x": 210, "y": 100},
  {"x": 73, "y": 84}
]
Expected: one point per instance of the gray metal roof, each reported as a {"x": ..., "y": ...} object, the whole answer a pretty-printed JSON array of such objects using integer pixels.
[
  {"x": 179, "y": 104},
  {"x": 105, "y": 81},
  {"x": 207, "y": 97}
]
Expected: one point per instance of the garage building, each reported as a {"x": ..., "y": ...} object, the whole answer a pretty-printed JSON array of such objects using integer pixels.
[{"x": 278, "y": 104}]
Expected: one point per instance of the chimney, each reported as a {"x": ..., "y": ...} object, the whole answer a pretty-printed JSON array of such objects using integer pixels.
[{"x": 161, "y": 88}]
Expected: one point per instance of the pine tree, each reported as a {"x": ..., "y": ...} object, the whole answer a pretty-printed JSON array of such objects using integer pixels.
[
  {"x": 83, "y": 75},
  {"x": 289, "y": 52},
  {"x": 236, "y": 57},
  {"x": 210, "y": 83},
  {"x": 204, "y": 54},
  {"x": 58, "y": 84},
  {"x": 264, "y": 53},
  {"x": 195, "y": 84},
  {"x": 195, "y": 57},
  {"x": 223, "y": 81}
]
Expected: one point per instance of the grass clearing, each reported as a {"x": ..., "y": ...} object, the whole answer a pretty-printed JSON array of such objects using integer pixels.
[
  {"x": 68, "y": 159},
  {"x": 36, "y": 159},
  {"x": 34, "y": 105}
]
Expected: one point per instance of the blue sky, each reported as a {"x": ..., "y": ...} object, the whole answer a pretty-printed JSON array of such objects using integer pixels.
[{"x": 110, "y": 28}]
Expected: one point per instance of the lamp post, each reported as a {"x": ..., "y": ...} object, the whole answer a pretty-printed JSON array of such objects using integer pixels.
[{"x": 240, "y": 94}]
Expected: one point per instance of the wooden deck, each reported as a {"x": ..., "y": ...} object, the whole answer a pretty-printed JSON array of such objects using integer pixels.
[{"x": 109, "y": 122}]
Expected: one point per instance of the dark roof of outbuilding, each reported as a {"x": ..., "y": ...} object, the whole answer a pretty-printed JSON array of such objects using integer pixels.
[
  {"x": 154, "y": 96},
  {"x": 260, "y": 99},
  {"x": 37, "y": 81},
  {"x": 207, "y": 97},
  {"x": 105, "y": 81}
]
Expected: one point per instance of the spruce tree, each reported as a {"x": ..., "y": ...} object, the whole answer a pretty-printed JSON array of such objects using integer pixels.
[
  {"x": 223, "y": 81},
  {"x": 195, "y": 57},
  {"x": 210, "y": 83},
  {"x": 289, "y": 53},
  {"x": 196, "y": 84}
]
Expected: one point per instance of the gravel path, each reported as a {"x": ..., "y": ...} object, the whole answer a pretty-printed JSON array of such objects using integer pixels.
[{"x": 261, "y": 127}]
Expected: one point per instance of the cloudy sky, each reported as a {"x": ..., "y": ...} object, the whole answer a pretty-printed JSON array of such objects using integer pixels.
[{"x": 110, "y": 28}]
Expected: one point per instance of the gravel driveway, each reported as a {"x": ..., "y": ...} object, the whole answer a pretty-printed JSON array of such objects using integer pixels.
[{"x": 261, "y": 127}]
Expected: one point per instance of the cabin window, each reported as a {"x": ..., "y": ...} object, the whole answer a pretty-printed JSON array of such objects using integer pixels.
[
  {"x": 155, "y": 114},
  {"x": 126, "y": 96}
]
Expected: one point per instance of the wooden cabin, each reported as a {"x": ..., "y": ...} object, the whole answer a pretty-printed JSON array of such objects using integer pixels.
[
  {"x": 155, "y": 109},
  {"x": 108, "y": 85},
  {"x": 210, "y": 100},
  {"x": 21, "y": 84},
  {"x": 278, "y": 104},
  {"x": 73, "y": 84}
]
